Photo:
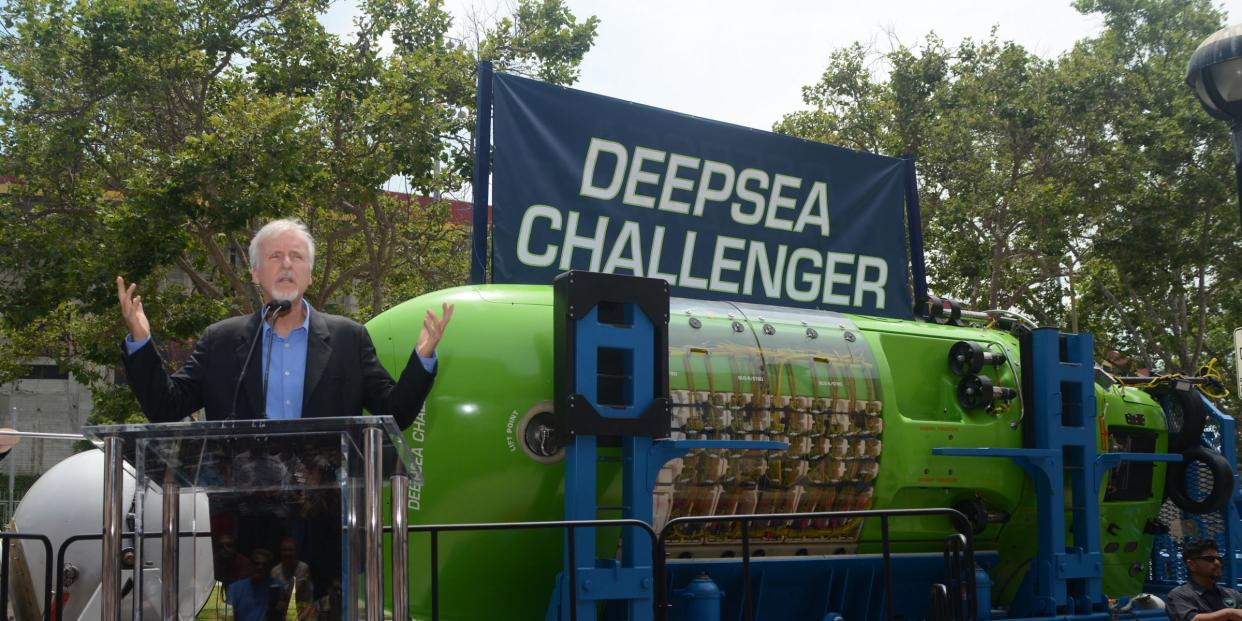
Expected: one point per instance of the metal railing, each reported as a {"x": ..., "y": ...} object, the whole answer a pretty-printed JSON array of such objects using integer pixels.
[
  {"x": 570, "y": 525},
  {"x": 963, "y": 526},
  {"x": 5, "y": 569},
  {"x": 959, "y": 577},
  {"x": 959, "y": 553},
  {"x": 64, "y": 547}
]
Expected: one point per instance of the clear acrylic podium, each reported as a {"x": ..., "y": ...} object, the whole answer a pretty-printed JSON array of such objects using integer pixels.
[{"x": 314, "y": 486}]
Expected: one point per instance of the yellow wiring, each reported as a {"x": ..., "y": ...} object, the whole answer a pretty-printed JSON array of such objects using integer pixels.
[{"x": 1207, "y": 371}]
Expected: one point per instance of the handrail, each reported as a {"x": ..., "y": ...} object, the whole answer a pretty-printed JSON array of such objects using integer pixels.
[
  {"x": 4, "y": 568},
  {"x": 64, "y": 547},
  {"x": 571, "y": 525},
  {"x": 940, "y": 603},
  {"x": 964, "y": 539},
  {"x": 954, "y": 545},
  {"x": 961, "y": 523}
]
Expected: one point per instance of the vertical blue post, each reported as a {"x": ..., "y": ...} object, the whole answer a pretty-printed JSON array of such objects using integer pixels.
[
  {"x": 1232, "y": 535},
  {"x": 636, "y": 496},
  {"x": 580, "y": 494},
  {"x": 611, "y": 381},
  {"x": 914, "y": 223},
  {"x": 1060, "y": 372},
  {"x": 482, "y": 173}
]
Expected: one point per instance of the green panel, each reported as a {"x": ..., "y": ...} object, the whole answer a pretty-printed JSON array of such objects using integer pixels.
[
  {"x": 495, "y": 370},
  {"x": 1127, "y": 544},
  {"x": 923, "y": 414}
]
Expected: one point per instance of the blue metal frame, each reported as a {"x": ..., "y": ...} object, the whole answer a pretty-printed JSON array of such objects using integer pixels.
[
  {"x": 1167, "y": 568},
  {"x": 1064, "y": 581},
  {"x": 631, "y": 580},
  {"x": 1060, "y": 377},
  {"x": 1060, "y": 382},
  {"x": 1232, "y": 539}
]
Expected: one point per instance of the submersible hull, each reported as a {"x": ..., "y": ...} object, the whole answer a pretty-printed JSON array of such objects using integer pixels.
[{"x": 861, "y": 401}]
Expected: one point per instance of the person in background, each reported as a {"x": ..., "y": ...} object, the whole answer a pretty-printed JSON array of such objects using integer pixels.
[
  {"x": 252, "y": 597},
  {"x": 1201, "y": 598},
  {"x": 230, "y": 566},
  {"x": 328, "y": 607},
  {"x": 294, "y": 573}
]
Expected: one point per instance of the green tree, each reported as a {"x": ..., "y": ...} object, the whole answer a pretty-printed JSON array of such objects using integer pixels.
[
  {"x": 1086, "y": 191},
  {"x": 148, "y": 139},
  {"x": 980, "y": 120},
  {"x": 1161, "y": 267}
]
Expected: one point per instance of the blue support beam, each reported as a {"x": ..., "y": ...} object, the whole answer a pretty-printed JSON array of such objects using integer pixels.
[
  {"x": 1059, "y": 391},
  {"x": 1233, "y": 531},
  {"x": 623, "y": 349}
]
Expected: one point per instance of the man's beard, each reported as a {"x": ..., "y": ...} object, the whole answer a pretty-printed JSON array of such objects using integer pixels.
[{"x": 287, "y": 293}]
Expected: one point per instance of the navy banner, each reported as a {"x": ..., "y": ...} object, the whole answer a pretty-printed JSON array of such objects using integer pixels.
[{"x": 722, "y": 212}]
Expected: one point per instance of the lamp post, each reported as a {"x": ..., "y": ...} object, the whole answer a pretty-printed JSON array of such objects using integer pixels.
[{"x": 1215, "y": 72}]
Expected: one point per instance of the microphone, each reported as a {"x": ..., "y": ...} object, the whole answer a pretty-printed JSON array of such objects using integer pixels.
[
  {"x": 278, "y": 306},
  {"x": 273, "y": 308}
]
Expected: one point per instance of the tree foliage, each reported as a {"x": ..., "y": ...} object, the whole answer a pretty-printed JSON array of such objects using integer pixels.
[
  {"x": 1087, "y": 191},
  {"x": 149, "y": 138}
]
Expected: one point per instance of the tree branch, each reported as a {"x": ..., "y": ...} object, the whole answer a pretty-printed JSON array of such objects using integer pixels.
[{"x": 201, "y": 284}]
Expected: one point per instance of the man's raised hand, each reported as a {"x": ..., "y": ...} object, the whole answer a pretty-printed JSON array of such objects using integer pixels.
[
  {"x": 131, "y": 310},
  {"x": 433, "y": 330}
]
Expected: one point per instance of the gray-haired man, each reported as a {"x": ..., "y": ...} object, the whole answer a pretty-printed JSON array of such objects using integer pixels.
[{"x": 318, "y": 364}]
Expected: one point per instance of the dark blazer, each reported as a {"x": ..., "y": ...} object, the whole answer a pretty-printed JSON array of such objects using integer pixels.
[{"x": 343, "y": 375}]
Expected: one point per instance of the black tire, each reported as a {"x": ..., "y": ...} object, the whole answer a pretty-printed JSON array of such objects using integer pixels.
[
  {"x": 1186, "y": 407},
  {"x": 1222, "y": 481}
]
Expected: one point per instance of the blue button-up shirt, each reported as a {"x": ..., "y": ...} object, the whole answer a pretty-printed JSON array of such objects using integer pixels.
[
  {"x": 287, "y": 378},
  {"x": 284, "y": 368}
]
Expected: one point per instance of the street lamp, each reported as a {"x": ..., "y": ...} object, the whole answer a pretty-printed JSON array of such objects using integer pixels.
[{"x": 1215, "y": 72}]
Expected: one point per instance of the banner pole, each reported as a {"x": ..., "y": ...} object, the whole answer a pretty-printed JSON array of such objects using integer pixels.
[
  {"x": 914, "y": 224},
  {"x": 482, "y": 172}
]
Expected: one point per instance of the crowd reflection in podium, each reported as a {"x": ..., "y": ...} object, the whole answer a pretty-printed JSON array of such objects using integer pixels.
[{"x": 278, "y": 543}]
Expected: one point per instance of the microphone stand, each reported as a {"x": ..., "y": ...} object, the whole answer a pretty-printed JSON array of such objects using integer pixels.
[{"x": 270, "y": 307}]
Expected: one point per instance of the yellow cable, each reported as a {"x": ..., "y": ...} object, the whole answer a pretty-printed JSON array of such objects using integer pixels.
[{"x": 1208, "y": 371}]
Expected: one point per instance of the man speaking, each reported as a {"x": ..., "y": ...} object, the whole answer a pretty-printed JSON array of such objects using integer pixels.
[{"x": 286, "y": 361}]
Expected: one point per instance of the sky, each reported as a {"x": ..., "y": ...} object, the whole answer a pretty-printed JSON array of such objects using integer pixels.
[{"x": 746, "y": 61}]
